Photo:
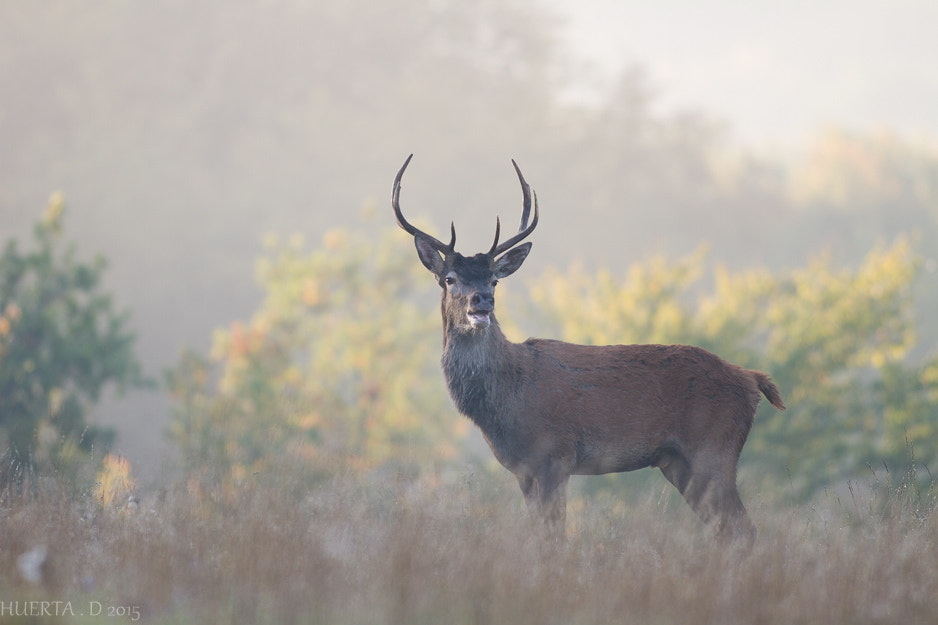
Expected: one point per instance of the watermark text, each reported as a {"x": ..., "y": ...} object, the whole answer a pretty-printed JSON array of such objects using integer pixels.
[{"x": 36, "y": 607}]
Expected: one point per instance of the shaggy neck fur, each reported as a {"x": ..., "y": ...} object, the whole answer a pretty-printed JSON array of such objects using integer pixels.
[{"x": 480, "y": 372}]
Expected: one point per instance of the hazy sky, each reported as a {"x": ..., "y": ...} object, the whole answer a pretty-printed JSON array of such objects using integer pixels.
[{"x": 777, "y": 71}]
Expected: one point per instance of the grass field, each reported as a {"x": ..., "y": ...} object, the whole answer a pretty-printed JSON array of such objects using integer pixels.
[{"x": 390, "y": 550}]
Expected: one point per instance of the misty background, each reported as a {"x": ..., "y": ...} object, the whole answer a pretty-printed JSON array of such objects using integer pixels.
[{"x": 182, "y": 133}]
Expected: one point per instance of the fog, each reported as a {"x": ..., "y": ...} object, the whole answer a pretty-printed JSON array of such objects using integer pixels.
[
  {"x": 777, "y": 74},
  {"x": 182, "y": 133}
]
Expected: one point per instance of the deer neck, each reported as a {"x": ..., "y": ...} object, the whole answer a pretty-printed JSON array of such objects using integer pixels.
[{"x": 478, "y": 366}]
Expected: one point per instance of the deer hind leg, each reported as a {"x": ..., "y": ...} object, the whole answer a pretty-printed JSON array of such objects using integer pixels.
[
  {"x": 529, "y": 490},
  {"x": 716, "y": 500},
  {"x": 735, "y": 523},
  {"x": 712, "y": 494}
]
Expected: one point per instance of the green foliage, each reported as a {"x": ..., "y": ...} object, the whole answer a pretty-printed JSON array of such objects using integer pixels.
[
  {"x": 338, "y": 368},
  {"x": 648, "y": 306},
  {"x": 61, "y": 343},
  {"x": 836, "y": 342}
]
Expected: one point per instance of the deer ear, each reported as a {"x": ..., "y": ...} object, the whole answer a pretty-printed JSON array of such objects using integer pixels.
[
  {"x": 429, "y": 255},
  {"x": 511, "y": 261}
]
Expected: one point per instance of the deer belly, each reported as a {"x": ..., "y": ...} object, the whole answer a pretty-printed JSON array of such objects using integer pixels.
[
  {"x": 521, "y": 455},
  {"x": 523, "y": 451},
  {"x": 602, "y": 458}
]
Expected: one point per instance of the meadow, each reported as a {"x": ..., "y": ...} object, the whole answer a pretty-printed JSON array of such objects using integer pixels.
[{"x": 456, "y": 549}]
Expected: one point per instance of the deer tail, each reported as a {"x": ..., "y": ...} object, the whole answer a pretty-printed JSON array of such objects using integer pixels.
[{"x": 768, "y": 388}]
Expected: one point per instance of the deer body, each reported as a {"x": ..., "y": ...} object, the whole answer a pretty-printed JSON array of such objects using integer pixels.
[{"x": 550, "y": 409}]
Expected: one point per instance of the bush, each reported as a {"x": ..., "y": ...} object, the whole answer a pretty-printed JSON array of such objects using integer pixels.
[
  {"x": 336, "y": 369},
  {"x": 61, "y": 344}
]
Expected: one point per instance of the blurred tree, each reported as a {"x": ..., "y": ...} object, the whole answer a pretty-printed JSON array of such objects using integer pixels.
[
  {"x": 61, "y": 343},
  {"x": 849, "y": 190},
  {"x": 837, "y": 342},
  {"x": 853, "y": 172},
  {"x": 336, "y": 370},
  {"x": 650, "y": 305}
]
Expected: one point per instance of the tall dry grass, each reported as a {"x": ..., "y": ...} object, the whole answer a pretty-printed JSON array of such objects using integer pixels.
[{"x": 392, "y": 550}]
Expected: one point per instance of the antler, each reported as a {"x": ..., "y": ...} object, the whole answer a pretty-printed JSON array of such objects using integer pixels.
[
  {"x": 395, "y": 204},
  {"x": 524, "y": 230}
]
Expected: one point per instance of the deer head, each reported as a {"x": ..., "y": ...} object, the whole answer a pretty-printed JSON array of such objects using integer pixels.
[{"x": 468, "y": 282}]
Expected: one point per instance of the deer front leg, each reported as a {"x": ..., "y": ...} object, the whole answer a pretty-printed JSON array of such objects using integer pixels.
[{"x": 546, "y": 497}]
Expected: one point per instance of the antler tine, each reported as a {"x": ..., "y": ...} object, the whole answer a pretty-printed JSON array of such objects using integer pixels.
[
  {"x": 524, "y": 230},
  {"x": 405, "y": 225},
  {"x": 498, "y": 228},
  {"x": 526, "y": 191}
]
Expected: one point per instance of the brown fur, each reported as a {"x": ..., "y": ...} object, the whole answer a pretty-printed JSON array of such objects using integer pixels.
[{"x": 550, "y": 409}]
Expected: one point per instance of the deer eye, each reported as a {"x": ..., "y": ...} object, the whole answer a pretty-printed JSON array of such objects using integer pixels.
[
  {"x": 494, "y": 282},
  {"x": 449, "y": 280}
]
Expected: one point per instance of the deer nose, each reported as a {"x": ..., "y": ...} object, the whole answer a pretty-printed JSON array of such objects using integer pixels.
[{"x": 482, "y": 301}]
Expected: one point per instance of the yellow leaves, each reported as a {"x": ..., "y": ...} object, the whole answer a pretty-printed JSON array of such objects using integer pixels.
[
  {"x": 293, "y": 376},
  {"x": 311, "y": 293},
  {"x": 598, "y": 309},
  {"x": 56, "y": 397},
  {"x": 219, "y": 350},
  {"x": 718, "y": 310},
  {"x": 334, "y": 240},
  {"x": 52, "y": 217},
  {"x": 236, "y": 348},
  {"x": 10, "y": 316},
  {"x": 240, "y": 341},
  {"x": 309, "y": 421},
  {"x": 115, "y": 482}
]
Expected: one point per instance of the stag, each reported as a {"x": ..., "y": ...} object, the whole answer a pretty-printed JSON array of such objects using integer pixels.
[{"x": 550, "y": 409}]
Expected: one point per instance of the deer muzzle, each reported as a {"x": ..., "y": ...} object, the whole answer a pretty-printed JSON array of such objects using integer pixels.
[
  {"x": 479, "y": 318},
  {"x": 480, "y": 311}
]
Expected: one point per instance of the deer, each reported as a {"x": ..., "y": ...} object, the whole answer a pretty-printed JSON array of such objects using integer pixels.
[{"x": 550, "y": 409}]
